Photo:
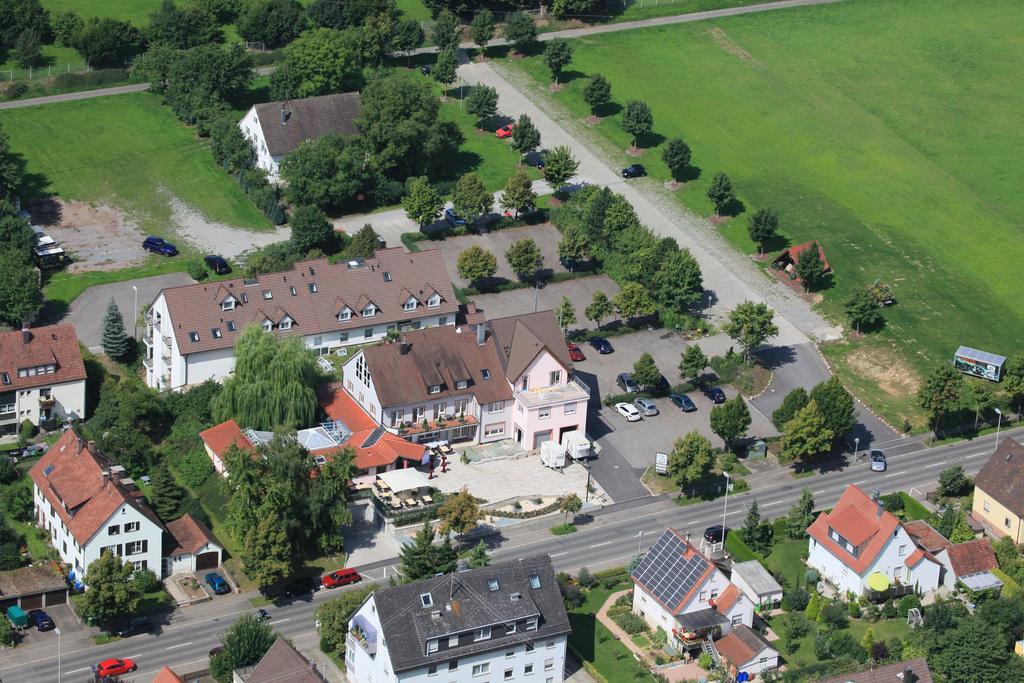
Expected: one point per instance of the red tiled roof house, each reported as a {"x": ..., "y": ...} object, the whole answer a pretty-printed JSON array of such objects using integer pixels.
[{"x": 42, "y": 376}]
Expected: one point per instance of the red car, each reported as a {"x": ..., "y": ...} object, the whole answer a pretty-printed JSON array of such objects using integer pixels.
[
  {"x": 115, "y": 667},
  {"x": 342, "y": 577},
  {"x": 504, "y": 131},
  {"x": 575, "y": 353}
]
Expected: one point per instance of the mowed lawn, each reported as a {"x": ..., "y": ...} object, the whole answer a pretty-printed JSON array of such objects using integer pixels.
[
  {"x": 129, "y": 151},
  {"x": 135, "y": 11},
  {"x": 870, "y": 126}
]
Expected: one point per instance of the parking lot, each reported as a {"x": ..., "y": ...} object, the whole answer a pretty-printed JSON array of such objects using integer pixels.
[
  {"x": 519, "y": 301},
  {"x": 545, "y": 235},
  {"x": 63, "y": 618}
]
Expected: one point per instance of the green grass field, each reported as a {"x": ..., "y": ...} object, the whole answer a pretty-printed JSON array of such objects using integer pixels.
[
  {"x": 868, "y": 126},
  {"x": 413, "y": 9},
  {"x": 135, "y": 11}
]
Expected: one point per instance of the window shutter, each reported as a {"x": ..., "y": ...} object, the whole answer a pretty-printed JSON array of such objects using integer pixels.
[{"x": 145, "y": 545}]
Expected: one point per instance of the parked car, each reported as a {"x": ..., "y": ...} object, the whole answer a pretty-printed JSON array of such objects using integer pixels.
[
  {"x": 425, "y": 69},
  {"x": 453, "y": 218},
  {"x": 715, "y": 394},
  {"x": 627, "y": 411},
  {"x": 34, "y": 449},
  {"x": 114, "y": 667},
  {"x": 217, "y": 583},
  {"x": 575, "y": 353},
  {"x": 683, "y": 402},
  {"x": 646, "y": 406},
  {"x": 535, "y": 159},
  {"x": 216, "y": 650},
  {"x": 41, "y": 620},
  {"x": 504, "y": 131},
  {"x": 342, "y": 577},
  {"x": 296, "y": 587},
  {"x": 714, "y": 534},
  {"x": 634, "y": 171},
  {"x": 661, "y": 387},
  {"x": 159, "y": 246},
  {"x": 217, "y": 264},
  {"x": 626, "y": 383},
  {"x": 261, "y": 614},
  {"x": 133, "y": 627},
  {"x": 145, "y": 479},
  {"x": 877, "y": 461},
  {"x": 602, "y": 345}
]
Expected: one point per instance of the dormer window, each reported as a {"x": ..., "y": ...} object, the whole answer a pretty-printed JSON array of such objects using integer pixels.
[
  {"x": 193, "y": 336},
  {"x": 461, "y": 384},
  {"x": 345, "y": 313},
  {"x": 267, "y": 325},
  {"x": 434, "y": 301},
  {"x": 267, "y": 294},
  {"x": 369, "y": 310},
  {"x": 434, "y": 389},
  {"x": 410, "y": 305},
  {"x": 228, "y": 304},
  {"x": 286, "y": 323},
  {"x": 216, "y": 333}
]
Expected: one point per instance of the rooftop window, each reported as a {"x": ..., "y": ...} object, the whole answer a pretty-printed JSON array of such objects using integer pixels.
[
  {"x": 486, "y": 373},
  {"x": 534, "y": 581},
  {"x": 369, "y": 310},
  {"x": 193, "y": 336},
  {"x": 6, "y": 378},
  {"x": 410, "y": 305},
  {"x": 267, "y": 294},
  {"x": 492, "y": 584},
  {"x": 345, "y": 313},
  {"x": 293, "y": 290},
  {"x": 387, "y": 276},
  {"x": 286, "y": 323},
  {"x": 434, "y": 389},
  {"x": 312, "y": 288},
  {"x": 434, "y": 301},
  {"x": 426, "y": 600},
  {"x": 215, "y": 331},
  {"x": 228, "y": 304}
]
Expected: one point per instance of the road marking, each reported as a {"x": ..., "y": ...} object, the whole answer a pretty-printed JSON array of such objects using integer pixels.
[
  {"x": 817, "y": 493},
  {"x": 84, "y": 668},
  {"x": 172, "y": 647},
  {"x": 598, "y": 545},
  {"x": 558, "y": 554},
  {"x": 976, "y": 455},
  {"x": 768, "y": 505},
  {"x": 895, "y": 474},
  {"x": 937, "y": 464},
  {"x": 858, "y": 483},
  {"x": 280, "y": 621}
]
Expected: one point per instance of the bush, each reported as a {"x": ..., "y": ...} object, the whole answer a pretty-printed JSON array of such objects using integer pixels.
[
  {"x": 584, "y": 578},
  {"x": 631, "y": 623},
  {"x": 845, "y": 645},
  {"x": 191, "y": 506},
  {"x": 660, "y": 638},
  {"x": 90, "y": 79},
  {"x": 572, "y": 595},
  {"x": 193, "y": 468},
  {"x": 795, "y": 600},
  {"x": 17, "y": 90},
  {"x": 907, "y": 603},
  {"x": 889, "y": 610},
  {"x": 146, "y": 580},
  {"x": 704, "y": 661},
  {"x": 853, "y": 610},
  {"x": 893, "y": 502},
  {"x": 26, "y": 431},
  {"x": 833, "y": 615},
  {"x": 197, "y": 270}
]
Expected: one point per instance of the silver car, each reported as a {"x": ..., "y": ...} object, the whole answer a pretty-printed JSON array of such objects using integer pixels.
[
  {"x": 877, "y": 461},
  {"x": 646, "y": 406}
]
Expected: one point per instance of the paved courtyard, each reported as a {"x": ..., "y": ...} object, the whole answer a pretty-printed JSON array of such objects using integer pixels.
[
  {"x": 545, "y": 235},
  {"x": 519, "y": 301}
]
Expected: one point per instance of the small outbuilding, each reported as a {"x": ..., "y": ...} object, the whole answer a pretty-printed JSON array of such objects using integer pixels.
[
  {"x": 33, "y": 587},
  {"x": 979, "y": 363},
  {"x": 747, "y": 650},
  {"x": 190, "y": 547},
  {"x": 757, "y": 584},
  {"x": 786, "y": 261}
]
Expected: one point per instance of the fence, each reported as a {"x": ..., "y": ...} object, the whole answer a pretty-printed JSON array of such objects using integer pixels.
[{"x": 39, "y": 72}]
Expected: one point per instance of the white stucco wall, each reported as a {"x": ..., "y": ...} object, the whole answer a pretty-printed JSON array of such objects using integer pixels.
[
  {"x": 891, "y": 561},
  {"x": 69, "y": 401}
]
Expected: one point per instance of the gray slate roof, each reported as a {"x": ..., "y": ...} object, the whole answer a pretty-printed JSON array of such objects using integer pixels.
[
  {"x": 307, "y": 119},
  {"x": 465, "y": 603},
  {"x": 757, "y": 577}
]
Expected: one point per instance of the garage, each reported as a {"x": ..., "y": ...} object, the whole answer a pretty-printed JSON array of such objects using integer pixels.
[
  {"x": 207, "y": 561},
  {"x": 33, "y": 587},
  {"x": 31, "y": 602},
  {"x": 57, "y": 598}
]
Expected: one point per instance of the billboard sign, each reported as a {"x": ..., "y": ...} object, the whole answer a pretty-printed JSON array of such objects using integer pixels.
[
  {"x": 661, "y": 463},
  {"x": 983, "y": 365}
]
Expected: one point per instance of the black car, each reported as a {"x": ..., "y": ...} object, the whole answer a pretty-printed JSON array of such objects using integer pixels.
[
  {"x": 634, "y": 171},
  {"x": 602, "y": 345},
  {"x": 133, "y": 627},
  {"x": 295, "y": 588},
  {"x": 683, "y": 402},
  {"x": 41, "y": 620},
  {"x": 714, "y": 534},
  {"x": 159, "y": 246},
  {"x": 661, "y": 387},
  {"x": 217, "y": 264},
  {"x": 425, "y": 69},
  {"x": 715, "y": 394}
]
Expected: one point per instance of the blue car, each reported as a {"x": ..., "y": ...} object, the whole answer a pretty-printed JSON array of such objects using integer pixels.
[
  {"x": 683, "y": 402},
  {"x": 602, "y": 345},
  {"x": 217, "y": 583},
  {"x": 41, "y": 620},
  {"x": 159, "y": 246},
  {"x": 453, "y": 218}
]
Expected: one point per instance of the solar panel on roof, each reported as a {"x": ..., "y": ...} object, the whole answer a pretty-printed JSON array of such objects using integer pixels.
[
  {"x": 374, "y": 437},
  {"x": 666, "y": 573}
]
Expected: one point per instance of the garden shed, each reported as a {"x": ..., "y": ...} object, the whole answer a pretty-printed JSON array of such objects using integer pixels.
[
  {"x": 786, "y": 261},
  {"x": 33, "y": 587},
  {"x": 757, "y": 584}
]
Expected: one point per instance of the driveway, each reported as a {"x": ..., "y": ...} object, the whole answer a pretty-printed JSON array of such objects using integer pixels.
[{"x": 87, "y": 311}]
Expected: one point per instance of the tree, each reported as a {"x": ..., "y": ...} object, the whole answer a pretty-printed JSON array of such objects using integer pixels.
[
  {"x": 116, "y": 342},
  {"x": 445, "y": 31},
  {"x": 478, "y": 556},
  {"x": 167, "y": 494},
  {"x": 559, "y": 166},
  {"x": 10, "y": 172},
  {"x": 520, "y": 31},
  {"x": 525, "y": 136},
  {"x": 111, "y": 593},
  {"x": 273, "y": 383},
  {"x": 459, "y": 513},
  {"x": 565, "y": 314},
  {"x": 182, "y": 27},
  {"x": 1013, "y": 379},
  {"x": 637, "y": 120},
  {"x": 800, "y": 515},
  {"x": 272, "y": 22},
  {"x": 809, "y": 267},
  {"x": 324, "y": 61},
  {"x": 967, "y": 654},
  {"x": 445, "y": 69},
  {"x": 750, "y": 324},
  {"x": 862, "y": 309},
  {"x": 597, "y": 93},
  {"x": 691, "y": 459},
  {"x": 645, "y": 370},
  {"x": 353, "y": 13},
  {"x": 984, "y": 396},
  {"x": 27, "y": 49},
  {"x": 570, "y": 503},
  {"x": 229, "y": 146},
  {"x": 730, "y": 420},
  {"x": 953, "y": 482},
  {"x": 557, "y": 56},
  {"x": 6, "y": 633},
  {"x": 311, "y": 229},
  {"x": 574, "y": 246},
  {"x": 365, "y": 242},
  {"x": 106, "y": 42},
  {"x": 755, "y": 533},
  {"x": 868, "y": 640},
  {"x": 940, "y": 392},
  {"x": 482, "y": 104},
  {"x": 518, "y": 195},
  {"x": 482, "y": 29},
  {"x": 678, "y": 282},
  {"x": 676, "y": 156},
  {"x": 470, "y": 198},
  {"x": 633, "y": 301},
  {"x": 762, "y": 226},
  {"x": 721, "y": 193},
  {"x": 422, "y": 202},
  {"x": 328, "y": 171},
  {"x": 20, "y": 296},
  {"x": 794, "y": 401},
  {"x": 475, "y": 264},
  {"x": 961, "y": 531},
  {"x": 692, "y": 363},
  {"x": 836, "y": 405},
  {"x": 66, "y": 25},
  {"x": 807, "y": 435},
  {"x": 247, "y": 640},
  {"x": 408, "y": 36},
  {"x": 335, "y": 614},
  {"x": 417, "y": 558},
  {"x": 525, "y": 258},
  {"x": 599, "y": 308}
]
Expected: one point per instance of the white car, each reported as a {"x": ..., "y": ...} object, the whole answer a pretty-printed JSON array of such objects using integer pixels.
[
  {"x": 627, "y": 411},
  {"x": 878, "y": 461}
]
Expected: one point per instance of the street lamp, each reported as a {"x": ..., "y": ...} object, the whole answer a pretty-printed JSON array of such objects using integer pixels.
[
  {"x": 586, "y": 495},
  {"x": 135, "y": 315},
  {"x": 856, "y": 447},
  {"x": 999, "y": 423},
  {"x": 725, "y": 507}
]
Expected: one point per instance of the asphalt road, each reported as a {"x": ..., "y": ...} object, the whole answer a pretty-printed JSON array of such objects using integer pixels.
[{"x": 606, "y": 538}]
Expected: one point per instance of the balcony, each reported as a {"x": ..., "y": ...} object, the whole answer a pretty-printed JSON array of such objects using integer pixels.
[
  {"x": 573, "y": 390},
  {"x": 363, "y": 635},
  {"x": 147, "y": 335},
  {"x": 148, "y": 362},
  {"x": 435, "y": 426},
  {"x": 150, "y": 318},
  {"x": 165, "y": 353}
]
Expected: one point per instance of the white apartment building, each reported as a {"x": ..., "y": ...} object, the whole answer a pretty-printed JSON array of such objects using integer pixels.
[
  {"x": 42, "y": 376},
  {"x": 191, "y": 330},
  {"x": 505, "y": 622}
]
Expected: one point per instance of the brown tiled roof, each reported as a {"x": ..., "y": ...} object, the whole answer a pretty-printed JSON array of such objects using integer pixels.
[
  {"x": 741, "y": 645},
  {"x": 436, "y": 355},
  {"x": 307, "y": 119},
  {"x": 887, "y": 673},
  {"x": 727, "y": 599},
  {"x": 197, "y": 308},
  {"x": 972, "y": 557},
  {"x": 520, "y": 338},
  {"x": 925, "y": 536},
  {"x": 29, "y": 581},
  {"x": 283, "y": 663},
  {"x": 373, "y": 446},
  {"x": 167, "y": 675},
  {"x": 190, "y": 535},
  {"x": 1002, "y": 477},
  {"x": 46, "y": 345},
  {"x": 72, "y": 473},
  {"x": 855, "y": 516},
  {"x": 219, "y": 438}
]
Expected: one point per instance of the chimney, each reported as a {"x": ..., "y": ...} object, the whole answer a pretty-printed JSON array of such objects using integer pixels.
[
  {"x": 908, "y": 675},
  {"x": 404, "y": 347},
  {"x": 104, "y": 476},
  {"x": 284, "y": 115},
  {"x": 26, "y": 334},
  {"x": 481, "y": 334}
]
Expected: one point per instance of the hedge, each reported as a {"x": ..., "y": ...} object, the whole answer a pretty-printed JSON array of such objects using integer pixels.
[{"x": 539, "y": 512}]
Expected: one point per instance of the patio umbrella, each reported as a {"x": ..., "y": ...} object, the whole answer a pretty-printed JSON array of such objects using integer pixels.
[{"x": 878, "y": 581}]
